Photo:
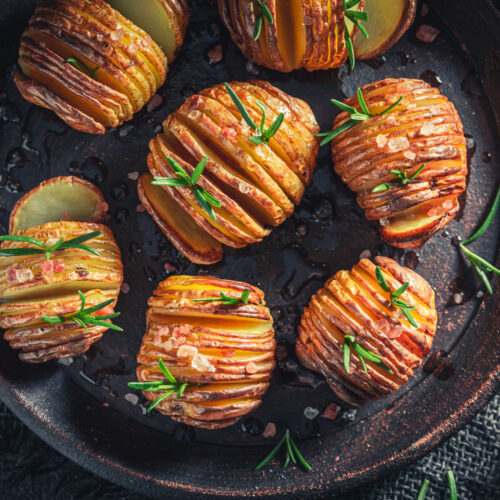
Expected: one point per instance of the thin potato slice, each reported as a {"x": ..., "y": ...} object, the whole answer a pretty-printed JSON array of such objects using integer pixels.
[
  {"x": 232, "y": 366},
  {"x": 353, "y": 303}
]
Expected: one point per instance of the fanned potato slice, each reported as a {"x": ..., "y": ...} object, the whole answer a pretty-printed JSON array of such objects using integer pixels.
[
  {"x": 255, "y": 185},
  {"x": 423, "y": 129},
  {"x": 225, "y": 353},
  {"x": 164, "y": 20},
  {"x": 354, "y": 303},
  {"x": 57, "y": 199},
  {"x": 304, "y": 33},
  {"x": 388, "y": 20}
]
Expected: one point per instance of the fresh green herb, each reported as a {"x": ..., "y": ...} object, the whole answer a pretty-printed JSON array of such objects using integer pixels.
[
  {"x": 423, "y": 490},
  {"x": 292, "y": 453},
  {"x": 263, "y": 12},
  {"x": 350, "y": 341},
  {"x": 82, "y": 67},
  {"x": 480, "y": 265},
  {"x": 203, "y": 197},
  {"x": 43, "y": 248},
  {"x": 402, "y": 178},
  {"x": 452, "y": 485},
  {"x": 85, "y": 317},
  {"x": 170, "y": 385},
  {"x": 227, "y": 300},
  {"x": 355, "y": 16},
  {"x": 394, "y": 294},
  {"x": 263, "y": 134},
  {"x": 355, "y": 116}
]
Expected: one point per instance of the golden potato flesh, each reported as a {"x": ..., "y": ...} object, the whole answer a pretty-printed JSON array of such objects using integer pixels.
[
  {"x": 304, "y": 34},
  {"x": 424, "y": 128},
  {"x": 60, "y": 198},
  {"x": 353, "y": 303},
  {"x": 256, "y": 185},
  {"x": 225, "y": 352},
  {"x": 32, "y": 285},
  {"x": 387, "y": 22},
  {"x": 91, "y": 65}
]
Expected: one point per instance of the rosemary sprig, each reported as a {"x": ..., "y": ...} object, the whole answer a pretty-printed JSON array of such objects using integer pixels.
[
  {"x": 203, "y": 197},
  {"x": 169, "y": 385},
  {"x": 263, "y": 134},
  {"x": 452, "y": 487},
  {"x": 292, "y": 453},
  {"x": 355, "y": 116},
  {"x": 227, "y": 300},
  {"x": 402, "y": 178},
  {"x": 43, "y": 248},
  {"x": 263, "y": 12},
  {"x": 355, "y": 16},
  {"x": 480, "y": 265},
  {"x": 422, "y": 493},
  {"x": 82, "y": 67},
  {"x": 350, "y": 341},
  {"x": 394, "y": 295},
  {"x": 85, "y": 317}
]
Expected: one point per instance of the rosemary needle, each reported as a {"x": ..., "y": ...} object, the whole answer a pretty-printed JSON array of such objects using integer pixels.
[
  {"x": 423, "y": 490},
  {"x": 452, "y": 485}
]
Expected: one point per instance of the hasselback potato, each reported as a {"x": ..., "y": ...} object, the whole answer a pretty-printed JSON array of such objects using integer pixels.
[
  {"x": 222, "y": 348},
  {"x": 285, "y": 35},
  {"x": 92, "y": 65},
  {"x": 408, "y": 166},
  {"x": 49, "y": 280},
  {"x": 255, "y": 184},
  {"x": 368, "y": 329}
]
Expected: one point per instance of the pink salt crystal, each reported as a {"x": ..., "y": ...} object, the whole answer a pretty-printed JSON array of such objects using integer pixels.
[
  {"x": 201, "y": 364},
  {"x": 47, "y": 268},
  {"x": 171, "y": 344},
  {"x": 195, "y": 102},
  {"x": 59, "y": 266},
  {"x": 125, "y": 288},
  {"x": 228, "y": 353},
  {"x": 427, "y": 129},
  {"x": 24, "y": 275},
  {"x": 448, "y": 205},
  {"x": 381, "y": 140},
  {"x": 140, "y": 208},
  {"x": 394, "y": 332},
  {"x": 154, "y": 103},
  {"x": 51, "y": 241},
  {"x": 215, "y": 54},
  {"x": 410, "y": 155},
  {"x": 133, "y": 48},
  {"x": 426, "y": 33},
  {"x": 269, "y": 430},
  {"x": 229, "y": 133},
  {"x": 164, "y": 330},
  {"x": 251, "y": 367},
  {"x": 180, "y": 340},
  {"x": 384, "y": 221},
  {"x": 331, "y": 411},
  {"x": 11, "y": 274},
  {"x": 398, "y": 143},
  {"x": 133, "y": 176},
  {"x": 186, "y": 351},
  {"x": 180, "y": 331},
  {"x": 116, "y": 35}
]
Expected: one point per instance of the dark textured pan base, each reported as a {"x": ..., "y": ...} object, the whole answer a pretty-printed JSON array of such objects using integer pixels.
[{"x": 86, "y": 410}]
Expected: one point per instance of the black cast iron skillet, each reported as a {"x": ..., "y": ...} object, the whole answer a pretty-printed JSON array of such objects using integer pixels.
[{"x": 85, "y": 409}]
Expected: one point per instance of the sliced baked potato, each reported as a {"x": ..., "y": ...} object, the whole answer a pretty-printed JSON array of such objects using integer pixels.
[
  {"x": 303, "y": 34},
  {"x": 91, "y": 65},
  {"x": 357, "y": 332},
  {"x": 52, "y": 272},
  {"x": 388, "y": 20},
  {"x": 408, "y": 166},
  {"x": 223, "y": 351},
  {"x": 255, "y": 185}
]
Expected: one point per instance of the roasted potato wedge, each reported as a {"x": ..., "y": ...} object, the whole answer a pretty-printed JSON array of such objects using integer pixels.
[
  {"x": 256, "y": 185},
  {"x": 57, "y": 199},
  {"x": 388, "y": 20},
  {"x": 224, "y": 352},
  {"x": 91, "y": 65},
  {"x": 424, "y": 128},
  {"x": 304, "y": 34},
  {"x": 353, "y": 303},
  {"x": 37, "y": 282}
]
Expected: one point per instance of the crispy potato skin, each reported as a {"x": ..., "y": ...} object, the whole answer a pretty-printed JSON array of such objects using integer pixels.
[
  {"x": 131, "y": 66},
  {"x": 424, "y": 128},
  {"x": 257, "y": 185},
  {"x": 352, "y": 303},
  {"x": 30, "y": 288},
  {"x": 230, "y": 349},
  {"x": 317, "y": 27}
]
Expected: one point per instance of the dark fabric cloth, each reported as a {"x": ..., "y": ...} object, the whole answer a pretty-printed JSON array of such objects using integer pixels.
[{"x": 29, "y": 468}]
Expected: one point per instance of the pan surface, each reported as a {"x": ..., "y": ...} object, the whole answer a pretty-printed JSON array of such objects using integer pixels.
[{"x": 84, "y": 408}]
